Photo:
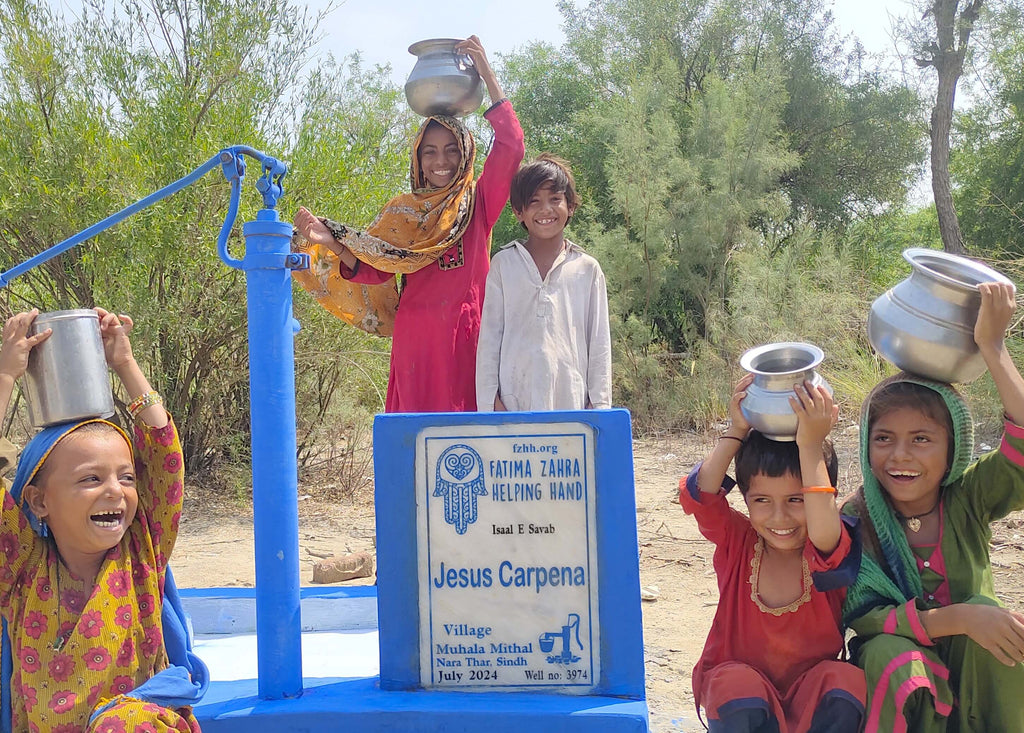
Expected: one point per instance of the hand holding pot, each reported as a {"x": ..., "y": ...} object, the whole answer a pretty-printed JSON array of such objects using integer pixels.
[
  {"x": 14, "y": 352},
  {"x": 114, "y": 330},
  {"x": 816, "y": 414},
  {"x": 17, "y": 344},
  {"x": 739, "y": 426},
  {"x": 475, "y": 50},
  {"x": 998, "y": 303}
]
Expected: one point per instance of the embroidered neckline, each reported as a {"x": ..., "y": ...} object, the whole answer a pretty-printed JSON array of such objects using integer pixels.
[{"x": 755, "y": 572}]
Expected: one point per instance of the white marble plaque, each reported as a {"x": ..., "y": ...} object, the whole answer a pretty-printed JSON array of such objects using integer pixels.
[{"x": 507, "y": 557}]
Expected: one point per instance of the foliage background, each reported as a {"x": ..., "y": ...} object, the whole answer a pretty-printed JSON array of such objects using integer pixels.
[{"x": 745, "y": 173}]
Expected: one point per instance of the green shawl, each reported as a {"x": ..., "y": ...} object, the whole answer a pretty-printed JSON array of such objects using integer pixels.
[{"x": 888, "y": 571}]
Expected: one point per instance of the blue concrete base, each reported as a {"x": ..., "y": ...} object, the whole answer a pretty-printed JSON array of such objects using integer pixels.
[
  {"x": 356, "y": 704},
  {"x": 360, "y": 706}
]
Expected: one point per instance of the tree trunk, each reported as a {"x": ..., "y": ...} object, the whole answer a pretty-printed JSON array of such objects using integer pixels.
[
  {"x": 947, "y": 54},
  {"x": 942, "y": 190}
]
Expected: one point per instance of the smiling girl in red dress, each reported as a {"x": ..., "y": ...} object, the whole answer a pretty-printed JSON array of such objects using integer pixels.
[
  {"x": 437, "y": 238},
  {"x": 771, "y": 658}
]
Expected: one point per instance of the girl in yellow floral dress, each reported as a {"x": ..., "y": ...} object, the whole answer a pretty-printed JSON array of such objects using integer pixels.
[{"x": 85, "y": 533}]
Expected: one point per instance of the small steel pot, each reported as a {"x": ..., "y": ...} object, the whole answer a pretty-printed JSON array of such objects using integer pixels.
[
  {"x": 67, "y": 377},
  {"x": 777, "y": 368},
  {"x": 925, "y": 324},
  {"x": 442, "y": 82}
]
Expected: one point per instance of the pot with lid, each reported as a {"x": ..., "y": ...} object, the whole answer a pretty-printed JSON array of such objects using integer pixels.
[
  {"x": 67, "y": 377},
  {"x": 443, "y": 82},
  {"x": 925, "y": 324}
]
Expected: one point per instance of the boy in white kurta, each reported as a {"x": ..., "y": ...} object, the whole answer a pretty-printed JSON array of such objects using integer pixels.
[{"x": 544, "y": 337}]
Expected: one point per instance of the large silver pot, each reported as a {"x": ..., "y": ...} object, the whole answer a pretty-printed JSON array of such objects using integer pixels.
[
  {"x": 925, "y": 324},
  {"x": 67, "y": 377},
  {"x": 777, "y": 368},
  {"x": 442, "y": 82}
]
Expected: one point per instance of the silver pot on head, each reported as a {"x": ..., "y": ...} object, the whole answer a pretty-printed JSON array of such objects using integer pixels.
[
  {"x": 925, "y": 324},
  {"x": 442, "y": 82},
  {"x": 67, "y": 376},
  {"x": 777, "y": 369}
]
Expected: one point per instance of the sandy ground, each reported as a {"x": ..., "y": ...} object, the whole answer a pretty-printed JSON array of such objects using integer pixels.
[{"x": 215, "y": 549}]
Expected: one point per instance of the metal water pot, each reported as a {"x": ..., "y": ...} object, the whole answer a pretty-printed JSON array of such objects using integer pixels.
[
  {"x": 442, "y": 82},
  {"x": 777, "y": 368},
  {"x": 67, "y": 377},
  {"x": 925, "y": 324}
]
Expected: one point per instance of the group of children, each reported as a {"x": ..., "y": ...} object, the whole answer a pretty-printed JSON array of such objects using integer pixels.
[
  {"x": 94, "y": 627},
  {"x": 904, "y": 563},
  {"x": 94, "y": 634}
]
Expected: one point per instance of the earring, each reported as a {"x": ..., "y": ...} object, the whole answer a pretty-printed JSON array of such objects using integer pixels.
[{"x": 44, "y": 530}]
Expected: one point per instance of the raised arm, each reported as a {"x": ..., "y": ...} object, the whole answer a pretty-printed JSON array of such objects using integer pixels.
[
  {"x": 816, "y": 415},
  {"x": 475, "y": 50},
  {"x": 118, "y": 349},
  {"x": 716, "y": 465},
  {"x": 997, "y": 306}
]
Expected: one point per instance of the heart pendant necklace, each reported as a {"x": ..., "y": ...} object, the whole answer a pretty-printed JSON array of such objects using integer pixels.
[{"x": 914, "y": 523}]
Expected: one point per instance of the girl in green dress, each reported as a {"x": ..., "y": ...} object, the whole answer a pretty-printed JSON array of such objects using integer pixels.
[{"x": 939, "y": 651}]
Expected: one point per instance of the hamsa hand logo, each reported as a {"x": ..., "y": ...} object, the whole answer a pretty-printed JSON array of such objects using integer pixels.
[{"x": 460, "y": 480}]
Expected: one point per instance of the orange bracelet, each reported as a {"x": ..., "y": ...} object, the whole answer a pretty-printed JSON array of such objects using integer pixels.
[{"x": 819, "y": 490}]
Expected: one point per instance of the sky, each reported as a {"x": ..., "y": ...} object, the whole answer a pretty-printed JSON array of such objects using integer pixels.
[{"x": 382, "y": 30}]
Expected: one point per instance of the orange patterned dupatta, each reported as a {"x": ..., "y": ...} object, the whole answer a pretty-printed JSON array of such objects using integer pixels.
[{"x": 412, "y": 231}]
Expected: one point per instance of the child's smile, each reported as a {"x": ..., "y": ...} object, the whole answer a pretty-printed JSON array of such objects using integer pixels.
[
  {"x": 546, "y": 213},
  {"x": 440, "y": 156},
  {"x": 776, "y": 508},
  {"x": 908, "y": 452},
  {"x": 87, "y": 494}
]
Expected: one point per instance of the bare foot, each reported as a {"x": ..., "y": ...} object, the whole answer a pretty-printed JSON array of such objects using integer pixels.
[{"x": 312, "y": 228}]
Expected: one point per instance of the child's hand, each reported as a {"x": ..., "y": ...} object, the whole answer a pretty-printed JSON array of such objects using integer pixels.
[
  {"x": 738, "y": 424},
  {"x": 17, "y": 343},
  {"x": 475, "y": 50},
  {"x": 997, "y": 305},
  {"x": 997, "y": 629},
  {"x": 816, "y": 413},
  {"x": 114, "y": 329}
]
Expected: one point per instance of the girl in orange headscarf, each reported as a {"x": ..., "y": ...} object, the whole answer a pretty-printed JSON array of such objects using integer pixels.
[{"x": 438, "y": 237}]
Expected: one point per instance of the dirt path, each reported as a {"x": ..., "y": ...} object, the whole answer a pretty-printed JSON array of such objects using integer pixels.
[{"x": 215, "y": 549}]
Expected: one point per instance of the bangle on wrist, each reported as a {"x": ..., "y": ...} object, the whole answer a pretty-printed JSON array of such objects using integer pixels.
[
  {"x": 730, "y": 437},
  {"x": 819, "y": 490},
  {"x": 143, "y": 402}
]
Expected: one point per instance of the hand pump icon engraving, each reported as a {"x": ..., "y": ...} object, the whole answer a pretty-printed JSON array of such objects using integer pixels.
[{"x": 547, "y": 641}]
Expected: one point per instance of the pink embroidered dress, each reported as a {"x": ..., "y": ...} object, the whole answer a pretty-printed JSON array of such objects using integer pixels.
[{"x": 433, "y": 350}]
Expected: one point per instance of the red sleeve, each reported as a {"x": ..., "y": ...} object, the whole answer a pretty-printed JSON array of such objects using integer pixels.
[
  {"x": 840, "y": 568},
  {"x": 716, "y": 520},
  {"x": 502, "y": 162},
  {"x": 364, "y": 274}
]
